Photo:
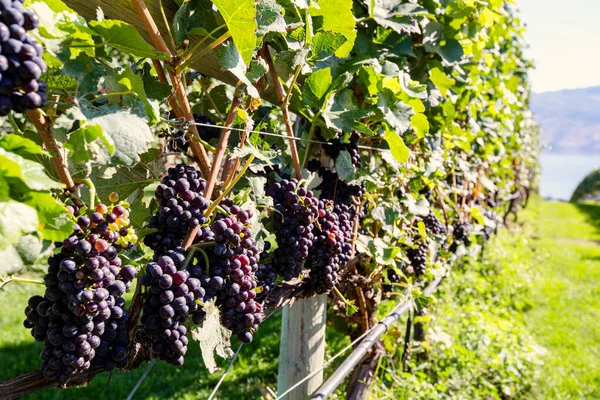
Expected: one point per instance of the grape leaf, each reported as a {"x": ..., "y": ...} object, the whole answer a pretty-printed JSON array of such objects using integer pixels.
[
  {"x": 343, "y": 165},
  {"x": 269, "y": 17},
  {"x": 397, "y": 146},
  {"x": 125, "y": 37},
  {"x": 441, "y": 80},
  {"x": 395, "y": 112},
  {"x": 324, "y": 44},
  {"x": 129, "y": 133},
  {"x": 240, "y": 17},
  {"x": 232, "y": 61},
  {"x": 11, "y": 261},
  {"x": 31, "y": 173},
  {"x": 316, "y": 86},
  {"x": 84, "y": 145},
  {"x": 420, "y": 124},
  {"x": 451, "y": 51},
  {"x": 22, "y": 146},
  {"x": 55, "y": 223},
  {"x": 16, "y": 219},
  {"x": 195, "y": 17},
  {"x": 154, "y": 89},
  {"x": 389, "y": 15},
  {"x": 135, "y": 83},
  {"x": 338, "y": 18},
  {"x": 212, "y": 337}
]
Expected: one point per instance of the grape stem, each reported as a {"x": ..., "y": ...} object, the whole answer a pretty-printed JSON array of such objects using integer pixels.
[
  {"x": 222, "y": 146},
  {"x": 349, "y": 305},
  {"x": 93, "y": 196},
  {"x": 43, "y": 127},
  {"x": 9, "y": 279},
  {"x": 14, "y": 125},
  {"x": 186, "y": 110},
  {"x": 442, "y": 204},
  {"x": 204, "y": 52}
]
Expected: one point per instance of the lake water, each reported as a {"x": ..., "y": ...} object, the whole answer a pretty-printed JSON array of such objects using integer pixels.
[{"x": 561, "y": 173}]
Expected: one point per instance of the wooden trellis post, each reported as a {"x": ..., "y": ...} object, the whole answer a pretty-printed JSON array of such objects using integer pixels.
[{"x": 302, "y": 348}]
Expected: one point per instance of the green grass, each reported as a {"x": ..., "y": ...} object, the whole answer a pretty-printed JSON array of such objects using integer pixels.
[{"x": 566, "y": 297}]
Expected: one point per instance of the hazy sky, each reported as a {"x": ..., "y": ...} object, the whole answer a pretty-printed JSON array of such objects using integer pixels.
[{"x": 564, "y": 40}]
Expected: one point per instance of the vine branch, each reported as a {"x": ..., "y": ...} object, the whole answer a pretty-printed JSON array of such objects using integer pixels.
[
  {"x": 285, "y": 112},
  {"x": 159, "y": 43},
  {"x": 43, "y": 127}
]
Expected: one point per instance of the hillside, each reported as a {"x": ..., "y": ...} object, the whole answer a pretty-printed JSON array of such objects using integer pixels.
[{"x": 569, "y": 119}]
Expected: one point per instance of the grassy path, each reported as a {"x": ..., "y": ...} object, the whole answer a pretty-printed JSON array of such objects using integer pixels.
[{"x": 565, "y": 317}]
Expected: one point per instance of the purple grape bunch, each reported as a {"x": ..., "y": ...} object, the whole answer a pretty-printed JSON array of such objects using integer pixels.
[
  {"x": 296, "y": 210},
  {"x": 171, "y": 295},
  {"x": 181, "y": 207},
  {"x": 81, "y": 317},
  {"x": 230, "y": 278},
  {"x": 324, "y": 256},
  {"x": 21, "y": 63}
]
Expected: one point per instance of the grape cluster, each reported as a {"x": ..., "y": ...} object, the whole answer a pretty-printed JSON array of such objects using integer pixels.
[
  {"x": 433, "y": 224},
  {"x": 461, "y": 232},
  {"x": 336, "y": 147},
  {"x": 21, "y": 65},
  {"x": 324, "y": 256},
  {"x": 393, "y": 277},
  {"x": 182, "y": 205},
  {"x": 266, "y": 276},
  {"x": 170, "y": 298},
  {"x": 418, "y": 257},
  {"x": 178, "y": 141},
  {"x": 81, "y": 317},
  {"x": 297, "y": 208},
  {"x": 230, "y": 276}
]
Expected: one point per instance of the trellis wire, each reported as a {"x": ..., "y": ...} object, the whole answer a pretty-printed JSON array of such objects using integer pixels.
[
  {"x": 139, "y": 382},
  {"x": 300, "y": 382},
  {"x": 354, "y": 358},
  {"x": 179, "y": 123},
  {"x": 225, "y": 372}
]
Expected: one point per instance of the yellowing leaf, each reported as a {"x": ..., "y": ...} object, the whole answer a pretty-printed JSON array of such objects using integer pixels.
[
  {"x": 397, "y": 146},
  {"x": 240, "y": 17}
]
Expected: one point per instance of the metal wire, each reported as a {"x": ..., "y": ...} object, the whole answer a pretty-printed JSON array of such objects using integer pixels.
[
  {"x": 358, "y": 339},
  {"x": 185, "y": 124},
  {"x": 354, "y": 358},
  {"x": 139, "y": 382},
  {"x": 225, "y": 373}
]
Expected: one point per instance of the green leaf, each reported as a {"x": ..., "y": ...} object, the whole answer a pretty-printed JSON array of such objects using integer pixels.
[
  {"x": 154, "y": 89},
  {"x": 397, "y": 146},
  {"x": 55, "y": 223},
  {"x": 477, "y": 215},
  {"x": 451, "y": 51},
  {"x": 212, "y": 337},
  {"x": 129, "y": 133},
  {"x": 11, "y": 261},
  {"x": 16, "y": 219},
  {"x": 324, "y": 44},
  {"x": 342, "y": 113},
  {"x": 343, "y": 166},
  {"x": 29, "y": 172},
  {"x": 84, "y": 145},
  {"x": 232, "y": 61},
  {"x": 316, "y": 86},
  {"x": 240, "y": 17},
  {"x": 269, "y": 16},
  {"x": 135, "y": 83},
  {"x": 22, "y": 146},
  {"x": 441, "y": 80},
  {"x": 126, "y": 180},
  {"x": 389, "y": 15},
  {"x": 195, "y": 17},
  {"x": 420, "y": 124},
  {"x": 338, "y": 18},
  {"x": 395, "y": 112},
  {"x": 125, "y": 37}
]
